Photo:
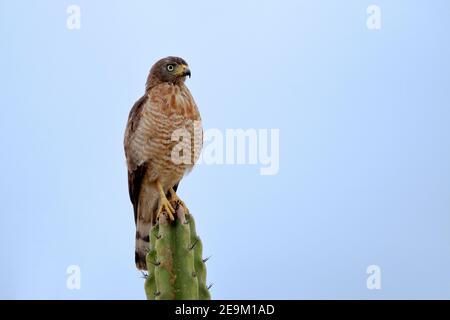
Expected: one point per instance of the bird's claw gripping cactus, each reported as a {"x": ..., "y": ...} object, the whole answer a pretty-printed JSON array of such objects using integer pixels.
[{"x": 176, "y": 269}]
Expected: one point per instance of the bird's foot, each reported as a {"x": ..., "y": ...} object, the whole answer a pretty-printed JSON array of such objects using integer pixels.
[
  {"x": 165, "y": 206},
  {"x": 174, "y": 197}
]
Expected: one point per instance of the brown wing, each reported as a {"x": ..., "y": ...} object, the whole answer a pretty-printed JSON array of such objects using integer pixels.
[
  {"x": 134, "y": 186},
  {"x": 135, "y": 172}
]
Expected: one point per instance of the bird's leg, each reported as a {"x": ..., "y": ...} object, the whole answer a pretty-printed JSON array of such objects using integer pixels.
[
  {"x": 164, "y": 204},
  {"x": 178, "y": 201}
]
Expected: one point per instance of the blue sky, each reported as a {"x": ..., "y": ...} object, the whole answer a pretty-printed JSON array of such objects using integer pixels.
[{"x": 364, "y": 176}]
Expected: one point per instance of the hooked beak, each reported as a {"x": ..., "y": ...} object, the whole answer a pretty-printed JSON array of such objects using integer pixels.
[{"x": 184, "y": 71}]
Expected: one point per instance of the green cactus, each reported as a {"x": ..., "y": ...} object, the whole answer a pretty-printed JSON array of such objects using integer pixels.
[{"x": 176, "y": 269}]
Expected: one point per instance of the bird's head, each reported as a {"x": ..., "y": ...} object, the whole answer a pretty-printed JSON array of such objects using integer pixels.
[{"x": 171, "y": 69}]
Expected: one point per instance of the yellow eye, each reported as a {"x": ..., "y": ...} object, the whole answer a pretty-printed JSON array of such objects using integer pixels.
[{"x": 170, "y": 67}]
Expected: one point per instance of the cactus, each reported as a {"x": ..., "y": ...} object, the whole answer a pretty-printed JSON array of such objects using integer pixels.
[{"x": 176, "y": 269}]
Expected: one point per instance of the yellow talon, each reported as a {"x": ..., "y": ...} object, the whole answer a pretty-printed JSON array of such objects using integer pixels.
[
  {"x": 164, "y": 204},
  {"x": 174, "y": 197}
]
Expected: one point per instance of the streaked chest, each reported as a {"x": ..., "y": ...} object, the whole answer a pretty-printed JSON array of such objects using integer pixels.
[{"x": 173, "y": 103}]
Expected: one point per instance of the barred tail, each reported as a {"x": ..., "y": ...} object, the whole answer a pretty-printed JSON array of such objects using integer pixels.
[{"x": 148, "y": 203}]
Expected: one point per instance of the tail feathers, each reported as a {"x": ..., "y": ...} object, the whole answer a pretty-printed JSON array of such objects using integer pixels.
[
  {"x": 145, "y": 218},
  {"x": 148, "y": 202},
  {"x": 142, "y": 248}
]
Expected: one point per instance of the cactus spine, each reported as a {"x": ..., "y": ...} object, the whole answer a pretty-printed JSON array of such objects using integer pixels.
[{"x": 176, "y": 269}]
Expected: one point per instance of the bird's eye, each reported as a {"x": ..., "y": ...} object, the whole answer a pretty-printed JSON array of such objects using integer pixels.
[{"x": 170, "y": 67}]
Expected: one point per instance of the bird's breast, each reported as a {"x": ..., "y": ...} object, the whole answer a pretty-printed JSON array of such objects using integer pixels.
[{"x": 176, "y": 139}]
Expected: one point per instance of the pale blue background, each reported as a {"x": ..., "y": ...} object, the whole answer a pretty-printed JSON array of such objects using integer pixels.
[{"x": 364, "y": 119}]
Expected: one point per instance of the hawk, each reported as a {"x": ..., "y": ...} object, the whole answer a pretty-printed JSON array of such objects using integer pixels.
[{"x": 153, "y": 173}]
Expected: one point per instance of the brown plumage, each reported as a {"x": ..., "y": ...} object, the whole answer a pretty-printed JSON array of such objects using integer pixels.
[{"x": 166, "y": 107}]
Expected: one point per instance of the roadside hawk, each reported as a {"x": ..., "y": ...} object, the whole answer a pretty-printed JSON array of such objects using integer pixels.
[{"x": 154, "y": 146}]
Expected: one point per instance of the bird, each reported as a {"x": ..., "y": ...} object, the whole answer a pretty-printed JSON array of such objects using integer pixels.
[{"x": 154, "y": 173}]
